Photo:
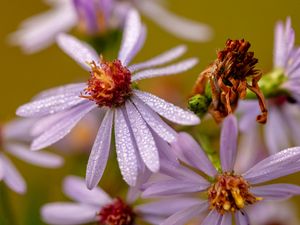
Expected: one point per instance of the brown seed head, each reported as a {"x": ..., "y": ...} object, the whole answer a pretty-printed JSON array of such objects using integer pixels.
[
  {"x": 109, "y": 84},
  {"x": 117, "y": 213},
  {"x": 230, "y": 193},
  {"x": 229, "y": 77}
]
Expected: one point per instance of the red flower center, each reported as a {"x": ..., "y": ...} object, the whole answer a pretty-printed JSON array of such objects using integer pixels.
[
  {"x": 109, "y": 84},
  {"x": 281, "y": 100},
  {"x": 117, "y": 213}
]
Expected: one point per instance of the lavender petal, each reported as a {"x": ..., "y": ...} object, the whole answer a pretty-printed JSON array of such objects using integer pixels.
[
  {"x": 276, "y": 131},
  {"x": 62, "y": 213},
  {"x": 276, "y": 191},
  {"x": 154, "y": 121},
  {"x": 81, "y": 52},
  {"x": 75, "y": 188},
  {"x": 161, "y": 59},
  {"x": 274, "y": 166},
  {"x": 241, "y": 218},
  {"x": 131, "y": 35},
  {"x": 168, "y": 110},
  {"x": 279, "y": 46},
  {"x": 172, "y": 187},
  {"x": 144, "y": 139},
  {"x": 43, "y": 159},
  {"x": 179, "y": 26},
  {"x": 100, "y": 151},
  {"x": 62, "y": 127},
  {"x": 189, "y": 151},
  {"x": 167, "y": 207},
  {"x": 226, "y": 219},
  {"x": 166, "y": 71},
  {"x": 213, "y": 218},
  {"x": 183, "y": 216},
  {"x": 126, "y": 152},
  {"x": 12, "y": 178},
  {"x": 228, "y": 145},
  {"x": 50, "y": 105}
]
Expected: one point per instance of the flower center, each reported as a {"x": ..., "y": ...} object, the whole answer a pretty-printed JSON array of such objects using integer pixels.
[
  {"x": 229, "y": 77},
  {"x": 109, "y": 84},
  {"x": 117, "y": 213},
  {"x": 281, "y": 100},
  {"x": 230, "y": 193}
]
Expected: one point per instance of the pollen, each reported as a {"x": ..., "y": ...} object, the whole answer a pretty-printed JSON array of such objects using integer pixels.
[
  {"x": 229, "y": 77},
  {"x": 117, "y": 213},
  {"x": 230, "y": 193},
  {"x": 109, "y": 84}
]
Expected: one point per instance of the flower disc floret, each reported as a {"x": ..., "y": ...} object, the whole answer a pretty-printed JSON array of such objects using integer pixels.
[
  {"x": 230, "y": 193},
  {"x": 117, "y": 213},
  {"x": 109, "y": 84}
]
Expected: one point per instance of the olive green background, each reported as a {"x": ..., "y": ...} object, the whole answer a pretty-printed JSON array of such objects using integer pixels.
[{"x": 23, "y": 75}]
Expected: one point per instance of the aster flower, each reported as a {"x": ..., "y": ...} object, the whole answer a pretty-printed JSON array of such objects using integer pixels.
[
  {"x": 97, "y": 206},
  {"x": 14, "y": 141},
  {"x": 282, "y": 90},
  {"x": 111, "y": 88},
  {"x": 94, "y": 17},
  {"x": 228, "y": 192}
]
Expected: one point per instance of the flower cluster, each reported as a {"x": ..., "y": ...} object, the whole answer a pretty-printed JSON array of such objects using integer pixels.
[{"x": 190, "y": 181}]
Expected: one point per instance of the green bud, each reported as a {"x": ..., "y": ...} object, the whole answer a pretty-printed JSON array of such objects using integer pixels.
[{"x": 199, "y": 104}]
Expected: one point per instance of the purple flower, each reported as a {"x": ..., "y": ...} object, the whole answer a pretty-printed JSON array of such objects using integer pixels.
[
  {"x": 283, "y": 125},
  {"x": 97, "y": 206},
  {"x": 229, "y": 193},
  {"x": 96, "y": 17},
  {"x": 14, "y": 136},
  {"x": 111, "y": 88}
]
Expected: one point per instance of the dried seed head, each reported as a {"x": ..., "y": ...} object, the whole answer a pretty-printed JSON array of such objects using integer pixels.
[
  {"x": 230, "y": 193},
  {"x": 229, "y": 77},
  {"x": 109, "y": 84},
  {"x": 117, "y": 213}
]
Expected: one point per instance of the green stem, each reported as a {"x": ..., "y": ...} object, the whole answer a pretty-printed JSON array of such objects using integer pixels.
[{"x": 6, "y": 214}]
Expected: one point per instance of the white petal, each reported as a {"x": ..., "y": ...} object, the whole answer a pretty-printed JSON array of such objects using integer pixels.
[
  {"x": 50, "y": 105},
  {"x": 63, "y": 127},
  {"x": 165, "y": 71},
  {"x": 75, "y": 188},
  {"x": 61, "y": 213},
  {"x": 43, "y": 159},
  {"x": 154, "y": 121},
  {"x": 100, "y": 151},
  {"x": 179, "y": 26},
  {"x": 168, "y": 110},
  {"x": 12, "y": 177},
  {"x": 131, "y": 35},
  {"x": 126, "y": 150},
  {"x": 81, "y": 52},
  {"x": 161, "y": 59},
  {"x": 143, "y": 137}
]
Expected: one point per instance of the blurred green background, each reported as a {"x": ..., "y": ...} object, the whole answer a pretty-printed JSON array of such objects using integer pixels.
[{"x": 23, "y": 75}]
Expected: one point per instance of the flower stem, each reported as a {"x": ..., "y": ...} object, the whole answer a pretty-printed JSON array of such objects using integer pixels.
[{"x": 6, "y": 214}]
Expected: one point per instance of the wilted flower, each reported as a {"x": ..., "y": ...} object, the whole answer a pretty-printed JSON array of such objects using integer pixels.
[
  {"x": 111, "y": 87},
  {"x": 226, "y": 81},
  {"x": 14, "y": 140},
  {"x": 97, "y": 206},
  {"x": 281, "y": 87},
  {"x": 95, "y": 17},
  {"x": 228, "y": 192}
]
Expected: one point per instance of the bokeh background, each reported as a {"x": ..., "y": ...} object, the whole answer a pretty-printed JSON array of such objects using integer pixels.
[{"x": 23, "y": 75}]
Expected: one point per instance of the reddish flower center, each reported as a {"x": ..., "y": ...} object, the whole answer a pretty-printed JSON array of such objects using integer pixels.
[
  {"x": 109, "y": 84},
  {"x": 230, "y": 193},
  {"x": 117, "y": 213},
  {"x": 281, "y": 100}
]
